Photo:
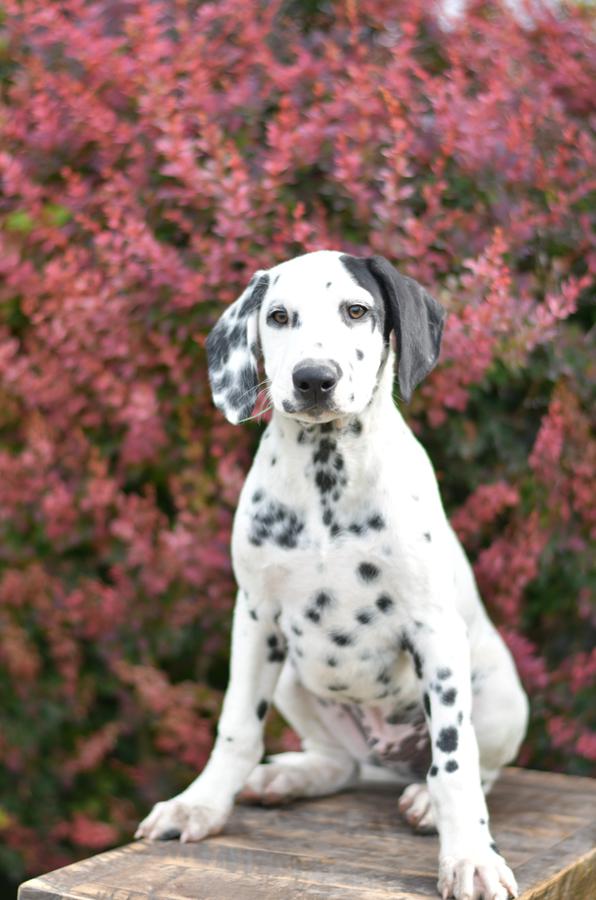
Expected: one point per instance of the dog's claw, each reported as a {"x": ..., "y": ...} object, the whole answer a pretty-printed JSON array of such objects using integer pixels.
[{"x": 170, "y": 834}]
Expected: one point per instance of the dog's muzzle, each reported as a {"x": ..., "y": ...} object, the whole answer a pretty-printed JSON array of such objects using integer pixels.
[{"x": 314, "y": 382}]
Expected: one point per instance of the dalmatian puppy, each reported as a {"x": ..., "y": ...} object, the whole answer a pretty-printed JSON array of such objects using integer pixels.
[{"x": 357, "y": 613}]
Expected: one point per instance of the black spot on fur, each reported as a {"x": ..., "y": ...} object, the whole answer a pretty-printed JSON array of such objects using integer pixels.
[
  {"x": 448, "y": 740},
  {"x": 460, "y": 718},
  {"x": 253, "y": 614},
  {"x": 262, "y": 709},
  {"x": 220, "y": 384},
  {"x": 384, "y": 603},
  {"x": 368, "y": 571},
  {"x": 451, "y": 766},
  {"x": 331, "y": 661},
  {"x": 325, "y": 481},
  {"x": 448, "y": 697},
  {"x": 341, "y": 638},
  {"x": 427, "y": 536},
  {"x": 322, "y": 600},
  {"x": 376, "y": 522},
  {"x": 327, "y": 517},
  {"x": 356, "y": 427},
  {"x": 313, "y": 615},
  {"x": 433, "y": 771},
  {"x": 483, "y": 821},
  {"x": 236, "y": 334},
  {"x": 355, "y": 528},
  {"x": 393, "y": 719},
  {"x": 295, "y": 320},
  {"x": 253, "y": 301},
  {"x": 324, "y": 450},
  {"x": 328, "y": 285},
  {"x": 297, "y": 631},
  {"x": 494, "y": 847},
  {"x": 337, "y": 687},
  {"x": 276, "y": 655},
  {"x": 406, "y": 644},
  {"x": 426, "y": 699},
  {"x": 442, "y": 674},
  {"x": 276, "y": 523},
  {"x": 384, "y": 677},
  {"x": 365, "y": 617},
  {"x": 417, "y": 664},
  {"x": 359, "y": 354}
]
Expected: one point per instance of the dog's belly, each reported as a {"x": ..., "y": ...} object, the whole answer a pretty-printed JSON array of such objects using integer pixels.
[{"x": 370, "y": 736}]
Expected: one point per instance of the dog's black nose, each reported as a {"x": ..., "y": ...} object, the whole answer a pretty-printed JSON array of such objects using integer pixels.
[{"x": 314, "y": 380}]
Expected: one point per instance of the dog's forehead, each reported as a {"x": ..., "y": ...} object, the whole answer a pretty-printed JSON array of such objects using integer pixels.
[{"x": 306, "y": 279}]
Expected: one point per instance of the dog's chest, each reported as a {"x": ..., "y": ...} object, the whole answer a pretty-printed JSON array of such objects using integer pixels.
[
  {"x": 315, "y": 536},
  {"x": 340, "y": 616},
  {"x": 347, "y": 652}
]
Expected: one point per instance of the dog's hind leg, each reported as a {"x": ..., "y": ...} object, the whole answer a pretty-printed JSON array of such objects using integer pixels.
[{"x": 323, "y": 767}]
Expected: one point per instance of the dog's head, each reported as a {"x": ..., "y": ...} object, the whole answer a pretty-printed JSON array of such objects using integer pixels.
[{"x": 322, "y": 322}]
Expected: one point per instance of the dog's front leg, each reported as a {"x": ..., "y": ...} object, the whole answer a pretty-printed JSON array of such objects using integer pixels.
[
  {"x": 469, "y": 864},
  {"x": 257, "y": 654}
]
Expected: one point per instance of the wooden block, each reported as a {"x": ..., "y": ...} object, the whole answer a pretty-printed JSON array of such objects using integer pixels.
[{"x": 351, "y": 845}]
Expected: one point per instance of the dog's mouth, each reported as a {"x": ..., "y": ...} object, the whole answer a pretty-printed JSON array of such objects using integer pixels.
[{"x": 311, "y": 412}]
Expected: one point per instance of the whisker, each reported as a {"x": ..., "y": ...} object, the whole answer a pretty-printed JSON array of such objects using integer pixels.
[
  {"x": 256, "y": 415},
  {"x": 263, "y": 384}
]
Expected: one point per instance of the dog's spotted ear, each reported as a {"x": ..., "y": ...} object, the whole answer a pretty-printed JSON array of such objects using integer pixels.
[
  {"x": 417, "y": 319},
  {"x": 232, "y": 347}
]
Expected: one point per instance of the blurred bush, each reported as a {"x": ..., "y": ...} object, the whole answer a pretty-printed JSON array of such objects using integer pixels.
[{"x": 153, "y": 155}]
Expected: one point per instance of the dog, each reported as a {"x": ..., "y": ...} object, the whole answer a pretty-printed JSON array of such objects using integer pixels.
[{"x": 357, "y": 613}]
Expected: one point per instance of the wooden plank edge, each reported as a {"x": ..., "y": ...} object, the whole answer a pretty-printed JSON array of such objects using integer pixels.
[
  {"x": 577, "y": 881},
  {"x": 37, "y": 889}
]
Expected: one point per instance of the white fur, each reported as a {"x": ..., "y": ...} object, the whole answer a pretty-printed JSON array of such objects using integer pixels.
[{"x": 435, "y": 611}]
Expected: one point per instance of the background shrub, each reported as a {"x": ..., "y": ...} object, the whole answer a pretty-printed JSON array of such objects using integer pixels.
[{"x": 153, "y": 155}]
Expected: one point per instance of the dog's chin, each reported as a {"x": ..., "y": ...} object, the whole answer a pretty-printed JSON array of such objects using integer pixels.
[{"x": 310, "y": 415}]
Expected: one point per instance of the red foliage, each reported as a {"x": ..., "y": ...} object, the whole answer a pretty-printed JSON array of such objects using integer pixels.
[{"x": 154, "y": 155}]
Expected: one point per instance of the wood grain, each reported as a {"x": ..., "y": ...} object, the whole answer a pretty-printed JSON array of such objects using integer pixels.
[{"x": 353, "y": 845}]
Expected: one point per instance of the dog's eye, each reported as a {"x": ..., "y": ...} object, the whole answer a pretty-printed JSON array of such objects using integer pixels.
[
  {"x": 279, "y": 316},
  {"x": 356, "y": 311}
]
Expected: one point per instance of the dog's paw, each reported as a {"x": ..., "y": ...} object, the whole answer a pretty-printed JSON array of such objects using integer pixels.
[
  {"x": 292, "y": 775},
  {"x": 414, "y": 805},
  {"x": 271, "y": 784},
  {"x": 483, "y": 876},
  {"x": 181, "y": 818}
]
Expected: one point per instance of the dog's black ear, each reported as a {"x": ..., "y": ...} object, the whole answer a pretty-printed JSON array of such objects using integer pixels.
[
  {"x": 417, "y": 319},
  {"x": 232, "y": 347}
]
